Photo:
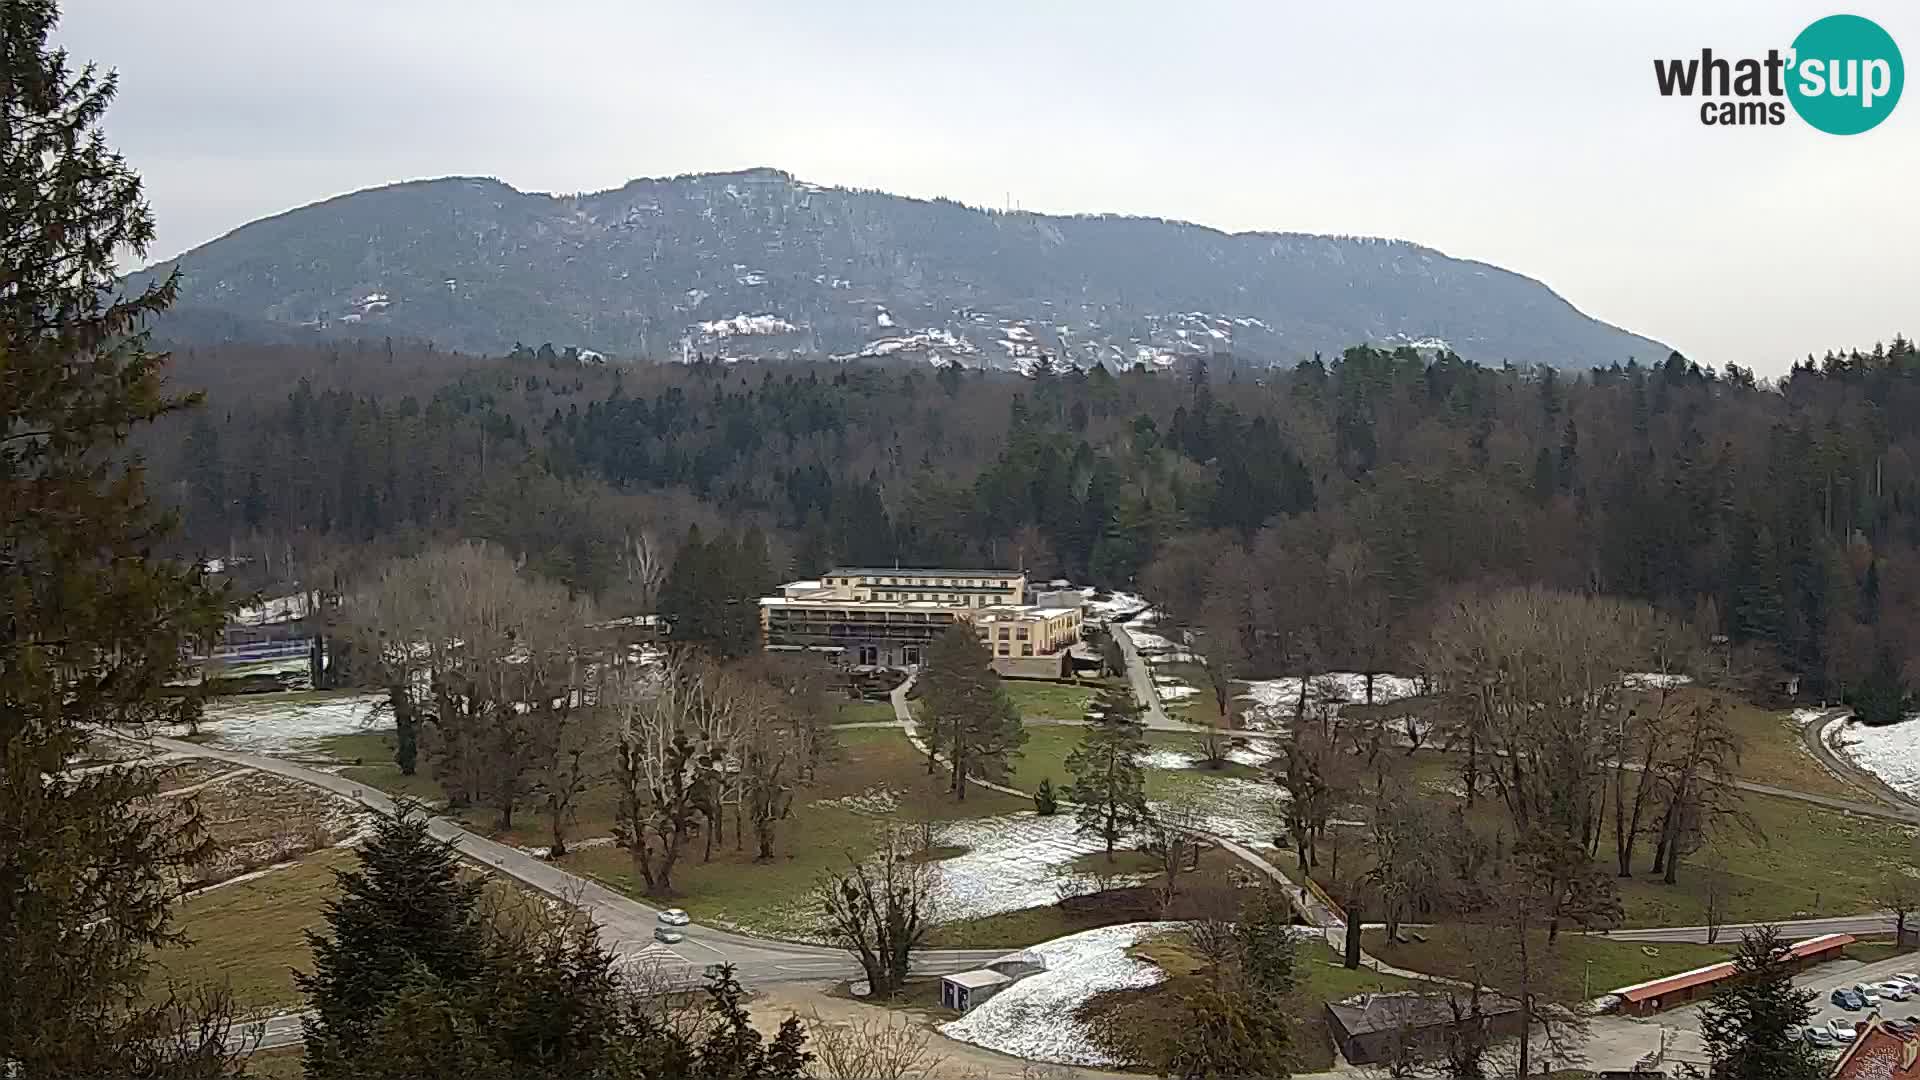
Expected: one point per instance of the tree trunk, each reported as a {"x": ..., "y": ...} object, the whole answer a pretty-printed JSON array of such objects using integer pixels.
[
  {"x": 1472, "y": 776},
  {"x": 1351, "y": 960},
  {"x": 559, "y": 848}
]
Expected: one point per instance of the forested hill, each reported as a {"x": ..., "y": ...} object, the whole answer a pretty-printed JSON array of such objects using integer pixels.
[
  {"x": 1320, "y": 510},
  {"x": 758, "y": 264}
]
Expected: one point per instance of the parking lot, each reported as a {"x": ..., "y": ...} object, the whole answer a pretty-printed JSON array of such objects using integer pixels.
[{"x": 1618, "y": 1042}]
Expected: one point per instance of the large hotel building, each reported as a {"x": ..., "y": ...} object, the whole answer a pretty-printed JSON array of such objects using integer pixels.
[{"x": 887, "y": 617}]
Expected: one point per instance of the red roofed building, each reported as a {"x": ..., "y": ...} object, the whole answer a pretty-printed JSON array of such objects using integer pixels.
[
  {"x": 1879, "y": 1054},
  {"x": 1644, "y": 999}
]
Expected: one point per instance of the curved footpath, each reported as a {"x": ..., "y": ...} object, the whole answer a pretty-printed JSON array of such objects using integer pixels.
[{"x": 626, "y": 925}]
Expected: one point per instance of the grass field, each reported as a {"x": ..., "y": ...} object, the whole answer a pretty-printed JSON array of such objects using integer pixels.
[
  {"x": 864, "y": 712},
  {"x": 1050, "y": 702},
  {"x": 1129, "y": 1023},
  {"x": 772, "y": 897},
  {"x": 1193, "y": 708},
  {"x": 249, "y": 935},
  {"x": 1805, "y": 861},
  {"x": 1614, "y": 964},
  {"x": 1204, "y": 892}
]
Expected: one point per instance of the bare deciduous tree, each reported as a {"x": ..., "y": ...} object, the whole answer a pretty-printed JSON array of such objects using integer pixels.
[
  {"x": 657, "y": 767},
  {"x": 880, "y": 909},
  {"x": 887, "y": 1046}
]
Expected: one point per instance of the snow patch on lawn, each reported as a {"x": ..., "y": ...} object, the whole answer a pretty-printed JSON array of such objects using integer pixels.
[
  {"x": 1335, "y": 688},
  {"x": 1169, "y": 759},
  {"x": 1654, "y": 680},
  {"x": 1011, "y": 863},
  {"x": 1891, "y": 752},
  {"x": 1174, "y": 690},
  {"x": 1034, "y": 1018},
  {"x": 1115, "y": 606},
  {"x": 269, "y": 724}
]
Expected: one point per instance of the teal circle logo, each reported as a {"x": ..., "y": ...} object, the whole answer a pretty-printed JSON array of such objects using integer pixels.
[{"x": 1846, "y": 75}]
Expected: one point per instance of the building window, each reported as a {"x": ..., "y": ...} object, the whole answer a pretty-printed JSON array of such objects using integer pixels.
[
  {"x": 1022, "y": 633},
  {"x": 1003, "y": 633},
  {"x": 1026, "y": 650},
  {"x": 1001, "y": 649}
]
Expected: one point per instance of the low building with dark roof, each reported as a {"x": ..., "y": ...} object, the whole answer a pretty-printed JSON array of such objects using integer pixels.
[{"x": 1374, "y": 1028}]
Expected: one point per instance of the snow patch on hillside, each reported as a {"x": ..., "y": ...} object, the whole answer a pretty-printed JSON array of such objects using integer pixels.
[
  {"x": 742, "y": 325},
  {"x": 1891, "y": 752},
  {"x": 1034, "y": 1018}
]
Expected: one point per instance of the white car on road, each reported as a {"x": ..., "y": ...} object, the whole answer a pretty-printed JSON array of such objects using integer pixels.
[
  {"x": 1893, "y": 990},
  {"x": 673, "y": 916}
]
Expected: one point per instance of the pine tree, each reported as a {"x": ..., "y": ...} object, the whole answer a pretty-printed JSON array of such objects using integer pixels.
[
  {"x": 1751, "y": 1024},
  {"x": 91, "y": 626},
  {"x": 403, "y": 913},
  {"x": 1109, "y": 786},
  {"x": 971, "y": 720}
]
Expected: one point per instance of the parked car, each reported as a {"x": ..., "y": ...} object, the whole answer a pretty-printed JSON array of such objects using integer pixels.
[
  {"x": 1847, "y": 999},
  {"x": 668, "y": 935},
  {"x": 1818, "y": 1036},
  {"x": 1841, "y": 1029},
  {"x": 1893, "y": 990},
  {"x": 1908, "y": 977},
  {"x": 1900, "y": 1028},
  {"x": 1866, "y": 993},
  {"x": 673, "y": 916}
]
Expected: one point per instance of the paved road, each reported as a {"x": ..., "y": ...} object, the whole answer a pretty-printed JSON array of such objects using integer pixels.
[
  {"x": 1857, "y": 925},
  {"x": 626, "y": 925},
  {"x": 1140, "y": 674}
]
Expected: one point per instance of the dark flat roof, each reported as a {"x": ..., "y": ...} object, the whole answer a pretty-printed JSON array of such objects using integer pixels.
[
  {"x": 1366, "y": 1014},
  {"x": 911, "y": 571}
]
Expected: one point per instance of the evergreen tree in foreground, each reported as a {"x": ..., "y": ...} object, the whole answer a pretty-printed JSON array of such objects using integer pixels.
[
  {"x": 91, "y": 627},
  {"x": 403, "y": 916},
  {"x": 1751, "y": 1025},
  {"x": 1109, "y": 791},
  {"x": 419, "y": 976}
]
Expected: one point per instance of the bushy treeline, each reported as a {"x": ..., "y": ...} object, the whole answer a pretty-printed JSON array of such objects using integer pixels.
[{"x": 1782, "y": 515}]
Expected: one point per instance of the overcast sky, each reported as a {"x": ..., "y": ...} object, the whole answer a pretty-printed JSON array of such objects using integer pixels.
[{"x": 1526, "y": 134}]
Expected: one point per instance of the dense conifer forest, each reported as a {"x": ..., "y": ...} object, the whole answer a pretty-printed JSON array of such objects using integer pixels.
[{"x": 1330, "y": 503}]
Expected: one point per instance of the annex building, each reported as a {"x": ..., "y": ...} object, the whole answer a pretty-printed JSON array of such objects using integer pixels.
[{"x": 886, "y": 617}]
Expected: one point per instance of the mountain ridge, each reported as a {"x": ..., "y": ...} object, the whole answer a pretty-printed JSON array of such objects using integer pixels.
[{"x": 755, "y": 263}]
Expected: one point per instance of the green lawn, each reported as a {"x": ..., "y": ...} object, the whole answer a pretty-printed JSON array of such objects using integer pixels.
[
  {"x": 1044, "y": 702},
  {"x": 1209, "y": 890},
  {"x": 772, "y": 897},
  {"x": 1130, "y": 1023},
  {"x": 1807, "y": 860},
  {"x": 864, "y": 712},
  {"x": 249, "y": 935},
  {"x": 1874, "y": 950},
  {"x": 1045, "y": 755},
  {"x": 1194, "y": 708},
  {"x": 1614, "y": 963}
]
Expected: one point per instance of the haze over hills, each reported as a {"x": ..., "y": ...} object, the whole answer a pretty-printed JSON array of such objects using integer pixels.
[{"x": 759, "y": 264}]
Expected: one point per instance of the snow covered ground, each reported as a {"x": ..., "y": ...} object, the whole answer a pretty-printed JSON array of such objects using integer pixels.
[
  {"x": 274, "y": 610},
  {"x": 1249, "y": 811},
  {"x": 279, "y": 724},
  {"x": 1654, "y": 680},
  {"x": 1012, "y": 862},
  {"x": 1034, "y": 1018},
  {"x": 1892, "y": 752},
  {"x": 1336, "y": 688},
  {"x": 1115, "y": 606}
]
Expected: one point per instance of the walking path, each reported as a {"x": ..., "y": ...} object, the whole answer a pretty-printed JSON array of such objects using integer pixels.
[{"x": 626, "y": 925}]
